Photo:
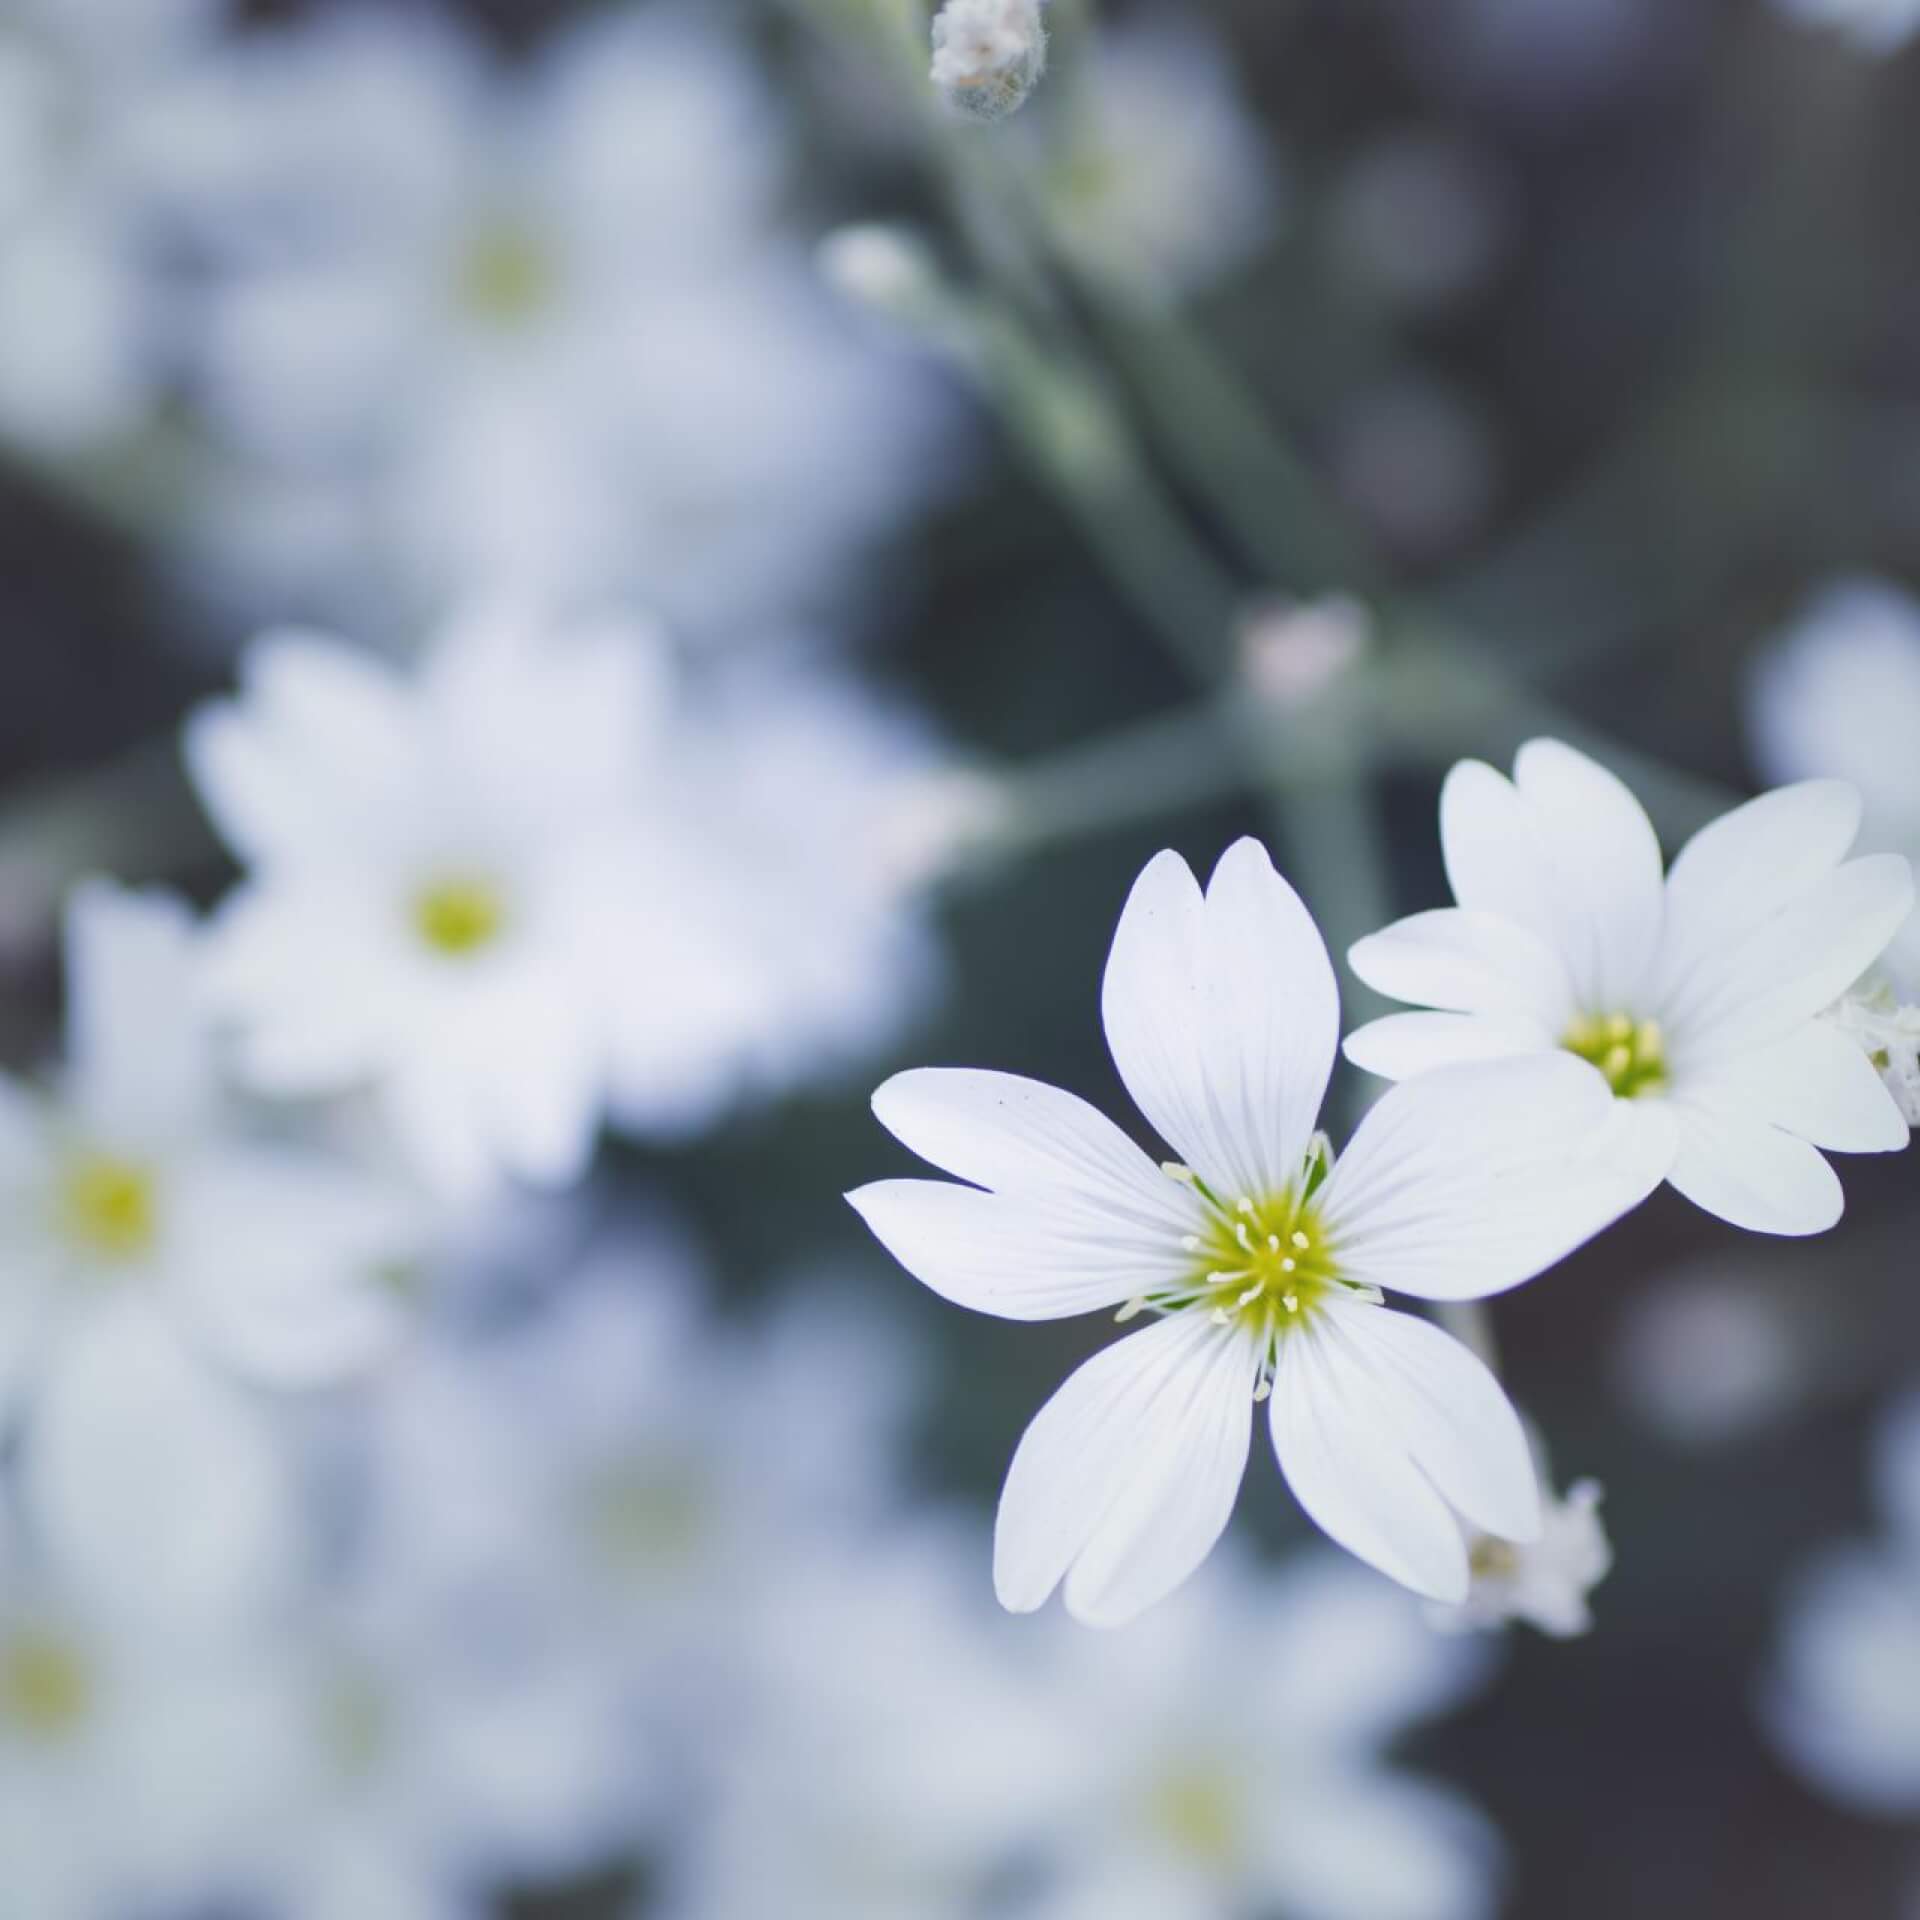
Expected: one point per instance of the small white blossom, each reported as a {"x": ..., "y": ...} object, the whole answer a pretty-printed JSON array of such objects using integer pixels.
[
  {"x": 1889, "y": 1034},
  {"x": 988, "y": 55},
  {"x": 1260, "y": 1260},
  {"x": 1694, "y": 997},
  {"x": 155, "y": 1244},
  {"x": 1228, "y": 1756},
  {"x": 1838, "y": 696},
  {"x": 1544, "y": 1582},
  {"x": 1156, "y": 172},
  {"x": 1844, "y": 1699}
]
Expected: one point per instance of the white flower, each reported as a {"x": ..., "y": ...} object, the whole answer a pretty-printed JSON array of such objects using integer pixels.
[
  {"x": 1545, "y": 1581},
  {"x": 988, "y": 55},
  {"x": 124, "y": 1786},
  {"x": 443, "y": 881},
  {"x": 1889, "y": 1034},
  {"x": 911, "y": 1780},
  {"x": 1844, "y": 1700},
  {"x": 1260, "y": 1262},
  {"x": 154, "y": 1245},
  {"x": 1874, "y": 26},
  {"x": 1838, "y": 695},
  {"x": 1695, "y": 999},
  {"x": 1156, "y": 172},
  {"x": 532, "y": 328},
  {"x": 540, "y": 876},
  {"x": 1227, "y": 1756}
]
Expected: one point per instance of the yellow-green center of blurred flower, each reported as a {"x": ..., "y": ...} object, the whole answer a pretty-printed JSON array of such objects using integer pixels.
[
  {"x": 507, "y": 278},
  {"x": 1631, "y": 1053},
  {"x": 459, "y": 917},
  {"x": 109, "y": 1207},
  {"x": 44, "y": 1686},
  {"x": 1198, "y": 1810}
]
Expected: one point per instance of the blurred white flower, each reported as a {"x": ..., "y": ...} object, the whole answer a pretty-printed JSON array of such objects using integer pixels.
[
  {"x": 1227, "y": 1758},
  {"x": 988, "y": 55},
  {"x": 537, "y": 324},
  {"x": 414, "y": 1767},
  {"x": 1874, "y": 26},
  {"x": 906, "y": 1780},
  {"x": 1838, "y": 695},
  {"x": 1694, "y": 997},
  {"x": 123, "y": 1787},
  {"x": 154, "y": 1245},
  {"x": 1844, "y": 1699},
  {"x": 1155, "y": 170},
  {"x": 1707, "y": 1356},
  {"x": 88, "y": 317},
  {"x": 544, "y": 874},
  {"x": 1889, "y": 1034},
  {"x": 1261, "y": 1261},
  {"x": 1545, "y": 1581}
]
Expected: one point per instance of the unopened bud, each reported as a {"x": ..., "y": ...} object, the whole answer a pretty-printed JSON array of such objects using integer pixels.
[
  {"x": 988, "y": 55},
  {"x": 1292, "y": 651}
]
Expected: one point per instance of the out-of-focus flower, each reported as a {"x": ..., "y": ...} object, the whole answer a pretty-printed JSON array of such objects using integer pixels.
[
  {"x": 1844, "y": 1699},
  {"x": 1261, "y": 1259},
  {"x": 1420, "y": 217},
  {"x": 1706, "y": 1357},
  {"x": 545, "y": 875},
  {"x": 1838, "y": 695},
  {"x": 1694, "y": 998},
  {"x": 1414, "y": 456},
  {"x": 538, "y": 326},
  {"x": 88, "y": 317},
  {"x": 1874, "y": 26},
  {"x": 1156, "y": 173},
  {"x": 988, "y": 55},
  {"x": 155, "y": 1244},
  {"x": 911, "y": 1780},
  {"x": 1226, "y": 1758},
  {"x": 415, "y": 1767},
  {"x": 1546, "y": 1581},
  {"x": 1292, "y": 653},
  {"x": 123, "y": 1783}
]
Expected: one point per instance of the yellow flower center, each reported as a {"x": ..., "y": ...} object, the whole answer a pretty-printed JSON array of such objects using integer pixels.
[
  {"x": 1198, "y": 1810},
  {"x": 1631, "y": 1053},
  {"x": 44, "y": 1686},
  {"x": 459, "y": 917},
  {"x": 109, "y": 1207},
  {"x": 507, "y": 278}
]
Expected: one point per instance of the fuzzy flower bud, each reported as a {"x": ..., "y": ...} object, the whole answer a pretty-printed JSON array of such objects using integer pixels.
[
  {"x": 889, "y": 270},
  {"x": 1890, "y": 1034},
  {"x": 988, "y": 55}
]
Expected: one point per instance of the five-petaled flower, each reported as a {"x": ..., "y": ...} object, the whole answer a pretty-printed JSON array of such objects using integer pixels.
[
  {"x": 1695, "y": 996},
  {"x": 1261, "y": 1260}
]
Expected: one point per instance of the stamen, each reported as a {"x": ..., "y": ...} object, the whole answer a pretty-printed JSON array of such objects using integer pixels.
[
  {"x": 1300, "y": 1240},
  {"x": 1221, "y": 1317},
  {"x": 1245, "y": 1206},
  {"x": 1262, "y": 1388},
  {"x": 1135, "y": 1306},
  {"x": 1291, "y": 1301},
  {"x": 1191, "y": 1242},
  {"x": 1288, "y": 1264},
  {"x": 1252, "y": 1294},
  {"x": 1245, "y": 1239},
  {"x": 1273, "y": 1243}
]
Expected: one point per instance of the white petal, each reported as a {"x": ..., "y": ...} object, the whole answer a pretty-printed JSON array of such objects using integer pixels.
[
  {"x": 1817, "y": 1083},
  {"x": 1018, "y": 1256},
  {"x": 319, "y": 753},
  {"x": 1794, "y": 966},
  {"x": 1466, "y": 962},
  {"x": 1272, "y": 1015},
  {"x": 136, "y": 1044},
  {"x": 1448, "y": 1412},
  {"x": 1749, "y": 1173},
  {"x": 1469, "y": 1180},
  {"x": 1738, "y": 871},
  {"x": 1020, "y": 1136},
  {"x": 155, "y": 1484},
  {"x": 1223, "y": 1016},
  {"x": 1128, "y": 1475},
  {"x": 1606, "y": 861},
  {"x": 1401, "y": 1045},
  {"x": 1353, "y": 1477},
  {"x": 1496, "y": 862},
  {"x": 284, "y": 1263}
]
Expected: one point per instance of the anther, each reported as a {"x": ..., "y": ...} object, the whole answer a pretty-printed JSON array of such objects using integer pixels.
[
  {"x": 1252, "y": 1294},
  {"x": 1300, "y": 1240},
  {"x": 1288, "y": 1264},
  {"x": 1273, "y": 1243},
  {"x": 1245, "y": 1206},
  {"x": 1135, "y": 1306},
  {"x": 1291, "y": 1301},
  {"x": 1221, "y": 1317},
  {"x": 1246, "y": 1240},
  {"x": 1263, "y": 1388},
  {"x": 1191, "y": 1243}
]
